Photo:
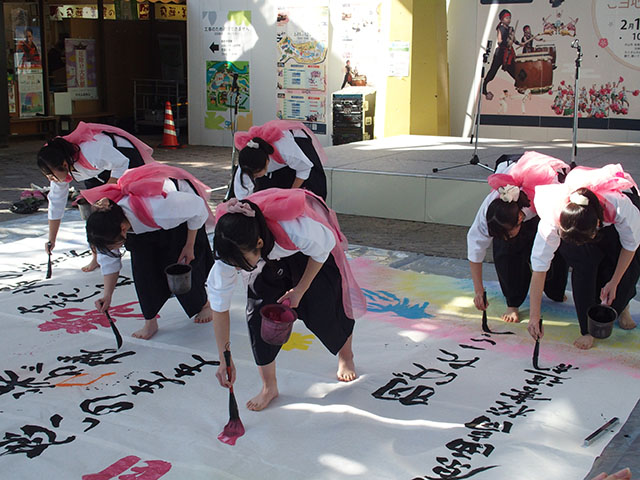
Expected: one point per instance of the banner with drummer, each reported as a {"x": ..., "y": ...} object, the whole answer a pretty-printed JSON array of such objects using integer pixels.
[{"x": 532, "y": 64}]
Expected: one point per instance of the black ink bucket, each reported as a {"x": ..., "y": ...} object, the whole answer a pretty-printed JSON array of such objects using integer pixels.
[
  {"x": 277, "y": 323},
  {"x": 178, "y": 278},
  {"x": 600, "y": 320}
]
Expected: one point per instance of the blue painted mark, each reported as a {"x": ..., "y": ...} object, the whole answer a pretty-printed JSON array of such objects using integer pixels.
[{"x": 380, "y": 301}]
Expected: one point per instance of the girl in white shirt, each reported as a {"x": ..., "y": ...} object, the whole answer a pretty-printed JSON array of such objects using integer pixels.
[
  {"x": 93, "y": 153},
  {"x": 507, "y": 219},
  {"x": 287, "y": 244},
  {"x": 281, "y": 154},
  {"x": 593, "y": 220},
  {"x": 158, "y": 213}
]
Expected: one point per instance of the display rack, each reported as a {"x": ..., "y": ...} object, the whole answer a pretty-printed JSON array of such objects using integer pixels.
[{"x": 149, "y": 99}]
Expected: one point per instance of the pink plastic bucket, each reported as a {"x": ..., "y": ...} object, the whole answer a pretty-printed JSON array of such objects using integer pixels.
[{"x": 277, "y": 322}]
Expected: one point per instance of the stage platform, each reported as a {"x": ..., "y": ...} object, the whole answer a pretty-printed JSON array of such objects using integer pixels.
[{"x": 393, "y": 177}]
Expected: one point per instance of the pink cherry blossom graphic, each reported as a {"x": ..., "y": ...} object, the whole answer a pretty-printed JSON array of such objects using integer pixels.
[{"x": 603, "y": 43}]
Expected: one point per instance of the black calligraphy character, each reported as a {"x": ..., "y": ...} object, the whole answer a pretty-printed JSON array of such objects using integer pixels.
[
  {"x": 187, "y": 370},
  {"x": 455, "y": 362},
  {"x": 505, "y": 408},
  {"x": 93, "y": 422},
  {"x": 94, "y": 358},
  {"x": 563, "y": 368},
  {"x": 419, "y": 395},
  {"x": 483, "y": 427},
  {"x": 11, "y": 381},
  {"x": 149, "y": 386},
  {"x": 544, "y": 378},
  {"x": 35, "y": 440},
  {"x": 87, "y": 406},
  {"x": 464, "y": 449},
  {"x": 424, "y": 374},
  {"x": 521, "y": 396},
  {"x": 453, "y": 470}
]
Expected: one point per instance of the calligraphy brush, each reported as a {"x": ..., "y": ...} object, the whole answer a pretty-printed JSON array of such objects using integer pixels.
[
  {"x": 115, "y": 329},
  {"x": 49, "y": 262},
  {"x": 234, "y": 428},
  {"x": 536, "y": 351},
  {"x": 485, "y": 323}
]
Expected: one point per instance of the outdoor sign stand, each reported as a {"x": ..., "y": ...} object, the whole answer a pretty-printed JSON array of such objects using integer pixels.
[
  {"x": 474, "y": 159},
  {"x": 233, "y": 113}
]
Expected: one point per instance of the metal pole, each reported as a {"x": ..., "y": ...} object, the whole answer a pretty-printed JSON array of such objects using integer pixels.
[{"x": 574, "y": 147}]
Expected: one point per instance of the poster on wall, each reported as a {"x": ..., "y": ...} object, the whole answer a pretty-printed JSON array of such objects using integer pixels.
[
  {"x": 27, "y": 57},
  {"x": 359, "y": 42},
  {"x": 531, "y": 68},
  {"x": 302, "y": 37},
  {"x": 81, "y": 68},
  {"x": 31, "y": 90},
  {"x": 228, "y": 37},
  {"x": 227, "y": 87}
]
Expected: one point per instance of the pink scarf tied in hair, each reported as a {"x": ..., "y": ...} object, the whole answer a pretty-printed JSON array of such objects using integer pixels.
[
  {"x": 531, "y": 170},
  {"x": 277, "y": 204},
  {"x": 608, "y": 179},
  {"x": 85, "y": 132},
  {"x": 143, "y": 182},
  {"x": 273, "y": 131}
]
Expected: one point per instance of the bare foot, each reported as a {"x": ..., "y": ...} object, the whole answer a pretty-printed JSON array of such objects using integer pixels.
[
  {"x": 511, "y": 315},
  {"x": 91, "y": 266},
  {"x": 260, "y": 401},
  {"x": 585, "y": 342},
  {"x": 625, "y": 320},
  {"x": 205, "y": 315},
  {"x": 346, "y": 369},
  {"x": 149, "y": 330}
]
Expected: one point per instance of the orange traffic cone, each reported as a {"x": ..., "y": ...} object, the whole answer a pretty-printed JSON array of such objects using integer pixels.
[{"x": 169, "y": 138}]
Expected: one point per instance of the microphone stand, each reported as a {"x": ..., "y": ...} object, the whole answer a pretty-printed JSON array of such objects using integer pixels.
[
  {"x": 474, "y": 158},
  {"x": 233, "y": 113},
  {"x": 574, "y": 148}
]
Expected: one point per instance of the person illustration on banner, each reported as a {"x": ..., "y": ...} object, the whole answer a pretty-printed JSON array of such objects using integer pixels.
[
  {"x": 348, "y": 77},
  {"x": 503, "y": 101},
  {"x": 29, "y": 49},
  {"x": 504, "y": 55},
  {"x": 526, "y": 42},
  {"x": 526, "y": 97}
]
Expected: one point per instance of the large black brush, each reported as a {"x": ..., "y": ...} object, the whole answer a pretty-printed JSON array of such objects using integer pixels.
[
  {"x": 115, "y": 329},
  {"x": 485, "y": 323},
  {"x": 234, "y": 428}
]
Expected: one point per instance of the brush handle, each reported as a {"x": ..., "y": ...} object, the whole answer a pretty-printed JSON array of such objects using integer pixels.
[
  {"x": 227, "y": 361},
  {"x": 49, "y": 272}
]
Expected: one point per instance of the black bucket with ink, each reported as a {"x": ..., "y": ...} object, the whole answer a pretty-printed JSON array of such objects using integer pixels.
[
  {"x": 178, "y": 278},
  {"x": 600, "y": 320}
]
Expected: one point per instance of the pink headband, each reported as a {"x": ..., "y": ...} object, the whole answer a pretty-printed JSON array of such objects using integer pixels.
[{"x": 236, "y": 206}]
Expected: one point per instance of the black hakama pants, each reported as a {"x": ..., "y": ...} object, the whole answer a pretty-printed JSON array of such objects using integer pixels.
[
  {"x": 320, "y": 309},
  {"x": 152, "y": 252},
  {"x": 512, "y": 260},
  {"x": 284, "y": 177},
  {"x": 593, "y": 265}
]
